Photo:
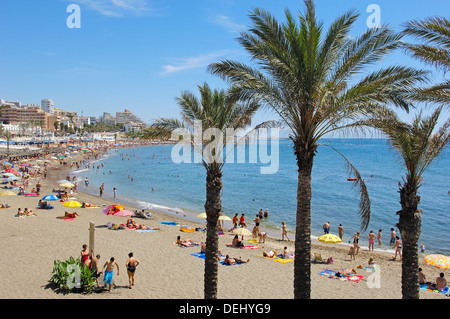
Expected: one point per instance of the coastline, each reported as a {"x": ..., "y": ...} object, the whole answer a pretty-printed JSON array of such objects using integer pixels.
[{"x": 167, "y": 271}]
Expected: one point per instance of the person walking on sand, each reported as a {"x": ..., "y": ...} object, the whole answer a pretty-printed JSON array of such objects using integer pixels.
[
  {"x": 340, "y": 230},
  {"x": 284, "y": 231},
  {"x": 109, "y": 272},
  {"x": 131, "y": 265},
  {"x": 398, "y": 248},
  {"x": 114, "y": 190}
]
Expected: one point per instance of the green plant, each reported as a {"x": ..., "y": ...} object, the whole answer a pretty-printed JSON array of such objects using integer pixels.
[{"x": 71, "y": 276}]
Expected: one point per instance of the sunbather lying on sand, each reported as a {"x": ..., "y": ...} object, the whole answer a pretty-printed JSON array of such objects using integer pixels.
[
  {"x": 71, "y": 215},
  {"x": 186, "y": 242},
  {"x": 231, "y": 261},
  {"x": 270, "y": 254}
]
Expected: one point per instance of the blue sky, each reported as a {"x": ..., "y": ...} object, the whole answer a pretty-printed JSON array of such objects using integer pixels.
[{"x": 140, "y": 54}]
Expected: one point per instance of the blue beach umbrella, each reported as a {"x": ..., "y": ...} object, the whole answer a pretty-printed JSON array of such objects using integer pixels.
[{"x": 50, "y": 197}]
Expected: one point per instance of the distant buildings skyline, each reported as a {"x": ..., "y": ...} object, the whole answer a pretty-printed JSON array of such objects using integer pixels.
[{"x": 46, "y": 114}]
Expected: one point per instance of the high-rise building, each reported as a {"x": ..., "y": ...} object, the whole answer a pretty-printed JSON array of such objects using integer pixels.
[
  {"x": 127, "y": 116},
  {"x": 48, "y": 106}
]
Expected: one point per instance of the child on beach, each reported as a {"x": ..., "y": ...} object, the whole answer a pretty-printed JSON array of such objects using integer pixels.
[{"x": 351, "y": 252}]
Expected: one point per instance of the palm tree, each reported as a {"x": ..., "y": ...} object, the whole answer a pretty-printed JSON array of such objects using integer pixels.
[
  {"x": 215, "y": 110},
  {"x": 312, "y": 80},
  {"x": 418, "y": 146},
  {"x": 434, "y": 32}
]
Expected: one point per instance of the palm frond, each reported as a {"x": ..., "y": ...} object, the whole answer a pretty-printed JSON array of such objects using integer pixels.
[{"x": 364, "y": 202}]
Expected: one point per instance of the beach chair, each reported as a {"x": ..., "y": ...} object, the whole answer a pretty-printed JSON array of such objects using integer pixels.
[{"x": 318, "y": 258}]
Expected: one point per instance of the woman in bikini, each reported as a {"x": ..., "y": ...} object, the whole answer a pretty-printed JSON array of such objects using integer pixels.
[
  {"x": 371, "y": 238},
  {"x": 356, "y": 242},
  {"x": 84, "y": 254},
  {"x": 131, "y": 265},
  {"x": 398, "y": 248}
]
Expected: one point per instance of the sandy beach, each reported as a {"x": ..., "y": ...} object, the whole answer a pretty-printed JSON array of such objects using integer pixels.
[{"x": 166, "y": 271}]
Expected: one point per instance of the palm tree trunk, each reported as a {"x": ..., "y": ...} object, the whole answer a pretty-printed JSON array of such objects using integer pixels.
[
  {"x": 302, "y": 262},
  {"x": 410, "y": 227},
  {"x": 213, "y": 207}
]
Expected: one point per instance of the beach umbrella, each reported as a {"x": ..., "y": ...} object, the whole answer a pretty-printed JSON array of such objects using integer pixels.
[
  {"x": 223, "y": 217},
  {"x": 330, "y": 238},
  {"x": 242, "y": 231},
  {"x": 202, "y": 215},
  {"x": 112, "y": 209},
  {"x": 144, "y": 205},
  {"x": 62, "y": 181},
  {"x": 12, "y": 178},
  {"x": 124, "y": 213},
  {"x": 8, "y": 193},
  {"x": 50, "y": 197},
  {"x": 72, "y": 203},
  {"x": 25, "y": 164},
  {"x": 8, "y": 174},
  {"x": 67, "y": 184},
  {"x": 439, "y": 261}
]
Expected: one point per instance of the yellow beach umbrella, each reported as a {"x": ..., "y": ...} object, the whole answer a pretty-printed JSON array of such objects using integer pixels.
[
  {"x": 67, "y": 184},
  {"x": 202, "y": 215},
  {"x": 223, "y": 217},
  {"x": 439, "y": 261},
  {"x": 330, "y": 238},
  {"x": 72, "y": 203}
]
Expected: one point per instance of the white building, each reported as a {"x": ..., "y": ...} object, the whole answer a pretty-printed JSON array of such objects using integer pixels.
[
  {"x": 48, "y": 106},
  {"x": 10, "y": 103}
]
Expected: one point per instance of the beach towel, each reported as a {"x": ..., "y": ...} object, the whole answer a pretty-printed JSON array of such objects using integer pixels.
[
  {"x": 242, "y": 247},
  {"x": 236, "y": 263},
  {"x": 145, "y": 230},
  {"x": 169, "y": 223},
  {"x": 187, "y": 229},
  {"x": 182, "y": 246},
  {"x": 428, "y": 288},
  {"x": 199, "y": 255},
  {"x": 327, "y": 272},
  {"x": 283, "y": 260},
  {"x": 355, "y": 278}
]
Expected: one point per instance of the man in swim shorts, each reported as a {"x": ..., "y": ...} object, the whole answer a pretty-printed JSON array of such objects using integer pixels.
[{"x": 109, "y": 272}]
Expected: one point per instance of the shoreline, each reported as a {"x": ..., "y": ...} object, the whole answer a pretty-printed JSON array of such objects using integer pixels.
[
  {"x": 190, "y": 215},
  {"x": 167, "y": 271}
]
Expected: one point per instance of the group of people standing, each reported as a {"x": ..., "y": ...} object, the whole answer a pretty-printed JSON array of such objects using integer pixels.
[
  {"x": 89, "y": 260},
  {"x": 395, "y": 240}
]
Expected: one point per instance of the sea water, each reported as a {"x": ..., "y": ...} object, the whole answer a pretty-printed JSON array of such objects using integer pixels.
[{"x": 135, "y": 171}]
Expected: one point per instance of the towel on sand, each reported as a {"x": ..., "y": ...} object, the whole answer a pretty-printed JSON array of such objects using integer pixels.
[
  {"x": 427, "y": 287},
  {"x": 242, "y": 247}
]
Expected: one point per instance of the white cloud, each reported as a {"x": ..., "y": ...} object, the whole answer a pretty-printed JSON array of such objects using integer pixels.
[
  {"x": 228, "y": 23},
  {"x": 117, "y": 8},
  {"x": 200, "y": 61}
]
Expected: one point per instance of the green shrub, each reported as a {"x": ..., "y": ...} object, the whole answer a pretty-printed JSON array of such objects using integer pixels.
[{"x": 69, "y": 276}]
